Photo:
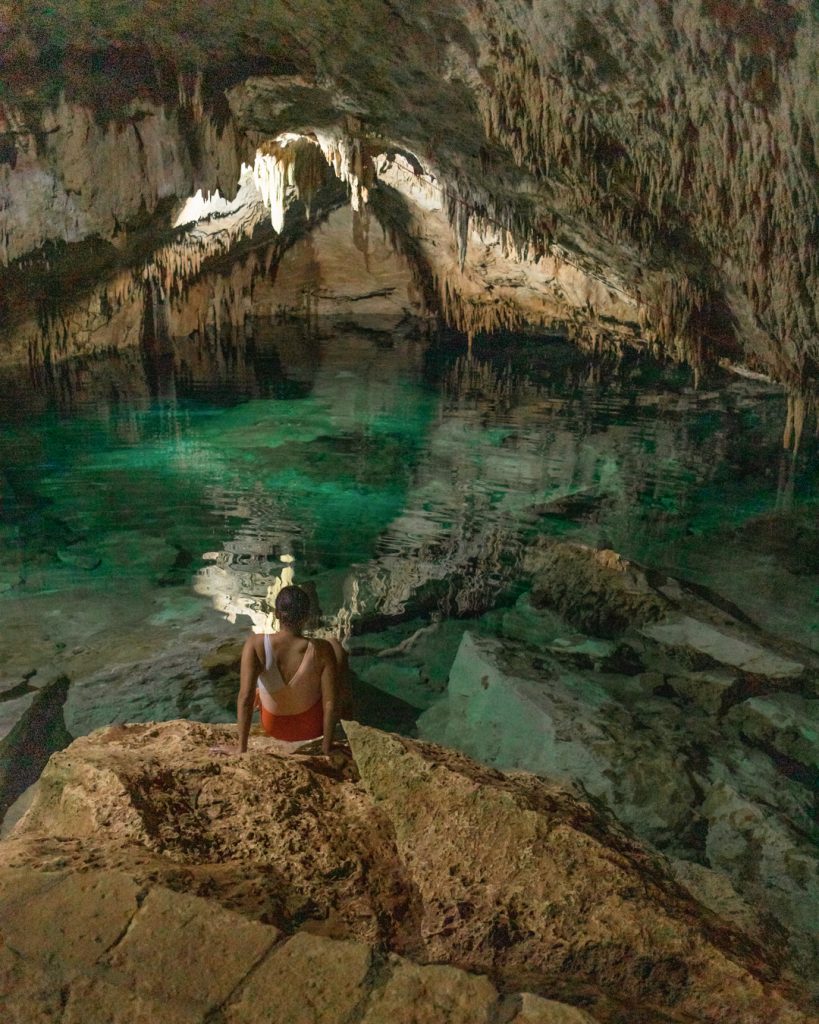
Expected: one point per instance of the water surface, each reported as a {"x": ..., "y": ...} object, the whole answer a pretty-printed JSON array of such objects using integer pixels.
[{"x": 403, "y": 479}]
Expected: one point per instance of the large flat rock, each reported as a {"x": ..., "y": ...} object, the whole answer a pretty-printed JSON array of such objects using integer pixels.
[
  {"x": 405, "y": 884},
  {"x": 687, "y": 634}
]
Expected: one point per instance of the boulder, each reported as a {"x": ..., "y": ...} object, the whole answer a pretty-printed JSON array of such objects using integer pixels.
[
  {"x": 189, "y": 679},
  {"x": 768, "y": 861},
  {"x": 34, "y": 729},
  {"x": 596, "y": 591},
  {"x": 700, "y": 644},
  {"x": 681, "y": 626},
  {"x": 709, "y": 689},
  {"x": 154, "y": 881}
]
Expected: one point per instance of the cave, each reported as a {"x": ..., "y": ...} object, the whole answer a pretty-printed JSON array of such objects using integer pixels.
[{"x": 492, "y": 324}]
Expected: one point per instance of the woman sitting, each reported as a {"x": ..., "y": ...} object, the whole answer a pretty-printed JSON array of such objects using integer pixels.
[{"x": 290, "y": 678}]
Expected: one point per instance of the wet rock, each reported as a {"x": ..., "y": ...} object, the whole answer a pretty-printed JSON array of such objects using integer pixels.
[
  {"x": 36, "y": 728},
  {"x": 78, "y": 558},
  {"x": 14, "y": 686},
  {"x": 562, "y": 723},
  {"x": 9, "y": 579},
  {"x": 707, "y": 689},
  {"x": 784, "y": 723},
  {"x": 714, "y": 890},
  {"x": 178, "y": 680},
  {"x": 671, "y": 624},
  {"x": 571, "y": 506},
  {"x": 224, "y": 659},
  {"x": 17, "y": 810},
  {"x": 143, "y": 854},
  {"x": 700, "y": 645},
  {"x": 582, "y": 651},
  {"x": 11, "y": 711},
  {"x": 767, "y": 860},
  {"x": 596, "y": 591},
  {"x": 792, "y": 538}
]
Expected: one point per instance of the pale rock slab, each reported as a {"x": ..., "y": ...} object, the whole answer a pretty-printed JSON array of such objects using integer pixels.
[
  {"x": 17, "y": 810},
  {"x": 785, "y": 722},
  {"x": 686, "y": 633},
  {"x": 11, "y": 711},
  {"x": 416, "y": 994},
  {"x": 219, "y": 947},
  {"x": 308, "y": 980}
]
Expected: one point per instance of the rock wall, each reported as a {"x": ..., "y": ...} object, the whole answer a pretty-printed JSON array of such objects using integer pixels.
[{"x": 75, "y": 174}]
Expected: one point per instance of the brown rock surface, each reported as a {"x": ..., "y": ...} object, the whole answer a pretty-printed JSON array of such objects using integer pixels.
[{"x": 154, "y": 881}]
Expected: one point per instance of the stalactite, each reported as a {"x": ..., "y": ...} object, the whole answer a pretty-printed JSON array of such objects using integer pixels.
[{"x": 736, "y": 188}]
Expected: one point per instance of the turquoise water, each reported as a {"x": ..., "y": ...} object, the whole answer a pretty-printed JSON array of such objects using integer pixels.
[{"x": 401, "y": 479}]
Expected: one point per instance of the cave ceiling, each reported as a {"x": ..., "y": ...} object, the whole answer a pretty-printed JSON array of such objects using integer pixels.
[{"x": 635, "y": 172}]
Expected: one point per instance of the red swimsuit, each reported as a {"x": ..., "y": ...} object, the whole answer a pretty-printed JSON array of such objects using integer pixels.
[{"x": 306, "y": 725}]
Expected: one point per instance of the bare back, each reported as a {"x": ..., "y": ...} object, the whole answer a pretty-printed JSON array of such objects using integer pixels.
[{"x": 290, "y": 681}]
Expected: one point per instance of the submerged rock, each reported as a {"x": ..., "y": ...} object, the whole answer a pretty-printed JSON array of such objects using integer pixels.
[
  {"x": 785, "y": 723},
  {"x": 151, "y": 875},
  {"x": 555, "y": 721},
  {"x": 678, "y": 775},
  {"x": 33, "y": 728}
]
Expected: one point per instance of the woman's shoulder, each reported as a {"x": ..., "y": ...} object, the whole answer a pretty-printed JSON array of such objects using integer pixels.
[
  {"x": 323, "y": 648},
  {"x": 254, "y": 641}
]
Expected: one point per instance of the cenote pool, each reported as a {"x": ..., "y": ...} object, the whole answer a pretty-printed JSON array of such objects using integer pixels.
[{"x": 400, "y": 478}]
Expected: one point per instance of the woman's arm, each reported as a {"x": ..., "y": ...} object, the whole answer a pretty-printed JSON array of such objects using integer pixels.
[
  {"x": 328, "y": 696},
  {"x": 249, "y": 673}
]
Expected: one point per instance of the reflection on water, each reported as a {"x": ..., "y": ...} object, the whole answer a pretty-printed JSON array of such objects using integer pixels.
[{"x": 400, "y": 481}]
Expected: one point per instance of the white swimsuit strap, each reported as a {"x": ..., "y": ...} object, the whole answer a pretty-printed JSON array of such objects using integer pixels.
[
  {"x": 270, "y": 665},
  {"x": 268, "y": 652}
]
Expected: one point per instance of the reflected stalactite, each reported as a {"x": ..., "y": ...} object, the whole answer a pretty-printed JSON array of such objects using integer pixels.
[
  {"x": 799, "y": 406},
  {"x": 786, "y": 482}
]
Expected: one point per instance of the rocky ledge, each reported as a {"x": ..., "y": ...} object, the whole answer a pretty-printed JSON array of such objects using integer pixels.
[{"x": 154, "y": 881}]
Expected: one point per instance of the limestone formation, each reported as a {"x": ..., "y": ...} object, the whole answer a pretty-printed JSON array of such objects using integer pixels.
[
  {"x": 634, "y": 173},
  {"x": 406, "y": 884}
]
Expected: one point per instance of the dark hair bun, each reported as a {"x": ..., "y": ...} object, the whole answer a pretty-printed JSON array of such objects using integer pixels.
[{"x": 292, "y": 605}]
